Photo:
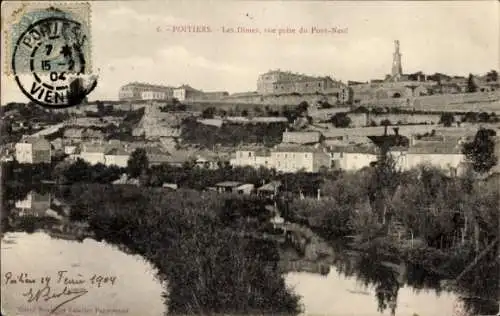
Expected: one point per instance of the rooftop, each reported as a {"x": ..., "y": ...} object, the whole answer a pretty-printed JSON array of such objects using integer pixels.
[
  {"x": 298, "y": 149},
  {"x": 302, "y": 79},
  {"x": 228, "y": 184},
  {"x": 271, "y": 186},
  {"x": 39, "y": 142},
  {"x": 146, "y": 85},
  {"x": 354, "y": 149},
  {"x": 188, "y": 88},
  {"x": 117, "y": 152},
  {"x": 442, "y": 148}
]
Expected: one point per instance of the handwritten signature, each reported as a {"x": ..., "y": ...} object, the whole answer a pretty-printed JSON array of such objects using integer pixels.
[{"x": 47, "y": 294}]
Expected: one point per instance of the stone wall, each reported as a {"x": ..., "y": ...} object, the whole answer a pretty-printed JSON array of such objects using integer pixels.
[{"x": 480, "y": 101}]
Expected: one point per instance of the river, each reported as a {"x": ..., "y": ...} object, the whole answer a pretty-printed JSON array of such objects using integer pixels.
[
  {"x": 336, "y": 294},
  {"x": 137, "y": 291}
]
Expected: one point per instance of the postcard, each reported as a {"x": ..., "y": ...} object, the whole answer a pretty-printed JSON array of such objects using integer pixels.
[{"x": 250, "y": 158}]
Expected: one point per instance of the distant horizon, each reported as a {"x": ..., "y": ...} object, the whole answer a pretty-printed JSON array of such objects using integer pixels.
[
  {"x": 134, "y": 42},
  {"x": 248, "y": 91}
]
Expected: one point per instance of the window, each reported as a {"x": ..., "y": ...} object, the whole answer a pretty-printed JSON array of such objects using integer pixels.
[
  {"x": 286, "y": 155},
  {"x": 305, "y": 155},
  {"x": 250, "y": 154}
]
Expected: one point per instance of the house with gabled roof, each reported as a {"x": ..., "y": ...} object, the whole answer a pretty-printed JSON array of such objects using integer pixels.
[
  {"x": 353, "y": 157},
  {"x": 93, "y": 153},
  {"x": 253, "y": 156},
  {"x": 446, "y": 155},
  {"x": 294, "y": 158}
]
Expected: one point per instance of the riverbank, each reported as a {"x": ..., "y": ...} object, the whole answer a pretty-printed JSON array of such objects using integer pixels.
[
  {"x": 436, "y": 224},
  {"x": 184, "y": 235}
]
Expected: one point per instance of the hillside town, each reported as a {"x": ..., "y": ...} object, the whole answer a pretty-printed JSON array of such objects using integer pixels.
[{"x": 317, "y": 123}]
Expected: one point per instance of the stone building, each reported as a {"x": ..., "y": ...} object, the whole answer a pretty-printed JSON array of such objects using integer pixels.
[
  {"x": 154, "y": 95},
  {"x": 136, "y": 91},
  {"x": 256, "y": 157},
  {"x": 285, "y": 82},
  {"x": 294, "y": 158},
  {"x": 186, "y": 92},
  {"x": 33, "y": 150}
]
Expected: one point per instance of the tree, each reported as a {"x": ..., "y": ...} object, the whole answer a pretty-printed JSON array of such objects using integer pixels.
[
  {"x": 481, "y": 151},
  {"x": 324, "y": 104},
  {"x": 361, "y": 109},
  {"x": 483, "y": 117},
  {"x": 385, "y": 122},
  {"x": 341, "y": 120},
  {"x": 222, "y": 113},
  {"x": 492, "y": 75},
  {"x": 208, "y": 113},
  {"x": 137, "y": 163},
  {"x": 447, "y": 119},
  {"x": 302, "y": 107},
  {"x": 470, "y": 117},
  {"x": 471, "y": 85}
]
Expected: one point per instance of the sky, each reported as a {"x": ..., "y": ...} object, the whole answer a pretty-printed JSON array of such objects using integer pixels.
[{"x": 133, "y": 41}]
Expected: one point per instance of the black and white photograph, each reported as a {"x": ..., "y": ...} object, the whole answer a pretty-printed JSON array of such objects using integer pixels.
[{"x": 288, "y": 158}]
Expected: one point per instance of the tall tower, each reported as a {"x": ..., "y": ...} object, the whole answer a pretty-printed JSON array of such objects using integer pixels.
[{"x": 397, "y": 69}]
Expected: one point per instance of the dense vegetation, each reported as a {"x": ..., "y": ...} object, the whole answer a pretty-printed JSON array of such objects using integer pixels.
[
  {"x": 210, "y": 267},
  {"x": 448, "y": 222},
  {"x": 231, "y": 134}
]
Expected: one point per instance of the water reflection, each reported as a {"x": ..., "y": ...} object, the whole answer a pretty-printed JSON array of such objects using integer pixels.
[
  {"x": 136, "y": 291},
  {"x": 337, "y": 294},
  {"x": 342, "y": 283}
]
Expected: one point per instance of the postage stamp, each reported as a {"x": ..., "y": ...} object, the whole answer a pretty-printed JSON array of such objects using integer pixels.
[{"x": 49, "y": 46}]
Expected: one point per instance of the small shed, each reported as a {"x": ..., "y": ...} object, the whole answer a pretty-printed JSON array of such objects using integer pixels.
[
  {"x": 227, "y": 186},
  {"x": 171, "y": 186},
  {"x": 269, "y": 189},
  {"x": 246, "y": 188}
]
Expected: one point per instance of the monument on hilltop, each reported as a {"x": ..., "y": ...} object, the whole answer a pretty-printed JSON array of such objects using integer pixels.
[{"x": 397, "y": 69}]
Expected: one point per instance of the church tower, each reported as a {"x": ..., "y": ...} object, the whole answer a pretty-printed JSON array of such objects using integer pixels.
[{"x": 397, "y": 69}]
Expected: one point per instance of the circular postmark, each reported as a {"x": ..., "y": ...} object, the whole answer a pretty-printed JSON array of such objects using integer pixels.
[{"x": 48, "y": 62}]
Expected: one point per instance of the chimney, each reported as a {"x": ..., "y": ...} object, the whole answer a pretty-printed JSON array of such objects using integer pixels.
[{"x": 396, "y": 131}]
